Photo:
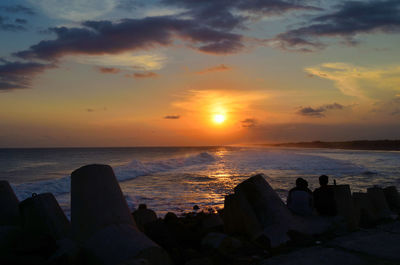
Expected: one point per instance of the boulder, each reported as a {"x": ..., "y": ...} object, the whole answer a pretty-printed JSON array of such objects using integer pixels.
[
  {"x": 378, "y": 200},
  {"x": 144, "y": 216},
  {"x": 365, "y": 213},
  {"x": 116, "y": 244},
  {"x": 256, "y": 210},
  {"x": 42, "y": 214},
  {"x": 212, "y": 221},
  {"x": 96, "y": 201},
  {"x": 102, "y": 223},
  {"x": 221, "y": 242},
  {"x": 345, "y": 205},
  {"x": 392, "y": 198},
  {"x": 9, "y": 213}
]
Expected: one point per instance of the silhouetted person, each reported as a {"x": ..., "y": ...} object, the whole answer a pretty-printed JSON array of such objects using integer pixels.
[
  {"x": 324, "y": 198},
  {"x": 299, "y": 200}
]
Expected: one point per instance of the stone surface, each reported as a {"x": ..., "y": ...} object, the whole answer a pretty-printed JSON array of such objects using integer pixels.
[
  {"x": 383, "y": 245},
  {"x": 366, "y": 214},
  {"x": 256, "y": 210},
  {"x": 143, "y": 217},
  {"x": 43, "y": 215},
  {"x": 379, "y": 203},
  {"x": 316, "y": 256},
  {"x": 345, "y": 205},
  {"x": 393, "y": 198},
  {"x": 116, "y": 244},
  {"x": 96, "y": 201},
  {"x": 9, "y": 212}
]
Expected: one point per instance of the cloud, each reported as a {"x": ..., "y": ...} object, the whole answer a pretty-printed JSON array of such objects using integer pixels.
[
  {"x": 75, "y": 10},
  {"x": 106, "y": 37},
  {"x": 319, "y": 112},
  {"x": 249, "y": 123},
  {"x": 350, "y": 19},
  {"x": 17, "y": 9},
  {"x": 108, "y": 70},
  {"x": 126, "y": 60},
  {"x": 144, "y": 75},
  {"x": 19, "y": 75},
  {"x": 358, "y": 81},
  {"x": 172, "y": 117},
  {"x": 218, "y": 68},
  {"x": 21, "y": 21},
  {"x": 10, "y": 27},
  {"x": 229, "y": 14}
]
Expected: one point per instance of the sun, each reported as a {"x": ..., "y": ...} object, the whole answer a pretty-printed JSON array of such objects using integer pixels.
[{"x": 219, "y": 118}]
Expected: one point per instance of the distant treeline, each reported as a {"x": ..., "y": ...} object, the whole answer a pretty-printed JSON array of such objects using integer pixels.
[{"x": 393, "y": 145}]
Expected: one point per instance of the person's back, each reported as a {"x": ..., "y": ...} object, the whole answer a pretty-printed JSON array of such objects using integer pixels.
[
  {"x": 324, "y": 198},
  {"x": 300, "y": 198}
]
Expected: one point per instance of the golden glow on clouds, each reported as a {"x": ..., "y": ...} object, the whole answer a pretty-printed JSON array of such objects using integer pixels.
[
  {"x": 355, "y": 80},
  {"x": 131, "y": 61}
]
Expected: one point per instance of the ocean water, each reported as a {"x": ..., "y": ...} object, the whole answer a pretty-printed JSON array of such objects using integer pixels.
[{"x": 177, "y": 178}]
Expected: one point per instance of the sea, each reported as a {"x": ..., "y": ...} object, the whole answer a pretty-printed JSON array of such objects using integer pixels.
[{"x": 174, "y": 179}]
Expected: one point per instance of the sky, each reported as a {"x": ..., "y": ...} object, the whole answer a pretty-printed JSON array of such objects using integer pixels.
[{"x": 77, "y": 73}]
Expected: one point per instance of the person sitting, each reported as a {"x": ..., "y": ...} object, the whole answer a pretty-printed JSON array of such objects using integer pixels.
[
  {"x": 324, "y": 198},
  {"x": 299, "y": 199}
]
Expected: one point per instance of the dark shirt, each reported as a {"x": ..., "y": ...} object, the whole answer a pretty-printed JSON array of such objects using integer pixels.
[{"x": 324, "y": 201}]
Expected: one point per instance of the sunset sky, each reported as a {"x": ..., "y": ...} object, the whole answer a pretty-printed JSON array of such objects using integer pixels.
[{"x": 197, "y": 72}]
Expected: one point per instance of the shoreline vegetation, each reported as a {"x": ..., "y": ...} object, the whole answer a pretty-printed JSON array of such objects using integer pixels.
[
  {"x": 378, "y": 145},
  {"x": 255, "y": 227}
]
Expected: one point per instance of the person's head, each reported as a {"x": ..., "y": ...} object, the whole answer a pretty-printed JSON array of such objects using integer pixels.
[
  {"x": 323, "y": 180},
  {"x": 142, "y": 206},
  {"x": 301, "y": 183}
]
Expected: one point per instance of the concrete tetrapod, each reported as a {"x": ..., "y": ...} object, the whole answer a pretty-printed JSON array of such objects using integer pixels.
[
  {"x": 9, "y": 212},
  {"x": 102, "y": 222},
  {"x": 365, "y": 212},
  {"x": 345, "y": 205},
  {"x": 256, "y": 210},
  {"x": 392, "y": 198},
  {"x": 378, "y": 201},
  {"x": 42, "y": 214}
]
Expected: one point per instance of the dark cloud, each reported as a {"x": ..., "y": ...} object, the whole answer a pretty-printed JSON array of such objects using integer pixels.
[
  {"x": 172, "y": 117},
  {"x": 108, "y": 70},
  {"x": 5, "y": 26},
  {"x": 249, "y": 123},
  {"x": 17, "y": 9},
  {"x": 320, "y": 111},
  {"x": 350, "y": 19},
  {"x": 129, "y": 5},
  {"x": 218, "y": 68},
  {"x": 18, "y": 75},
  {"x": 21, "y": 21},
  {"x": 145, "y": 75},
  {"x": 223, "y": 14},
  {"x": 100, "y": 37}
]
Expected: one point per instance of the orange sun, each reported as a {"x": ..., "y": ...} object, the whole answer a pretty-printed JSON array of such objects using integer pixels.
[{"x": 219, "y": 118}]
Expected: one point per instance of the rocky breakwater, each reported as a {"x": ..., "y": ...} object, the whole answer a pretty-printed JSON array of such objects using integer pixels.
[{"x": 102, "y": 230}]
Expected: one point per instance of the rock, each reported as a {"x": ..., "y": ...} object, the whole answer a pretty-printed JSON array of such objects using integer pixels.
[
  {"x": 144, "y": 216},
  {"x": 316, "y": 256},
  {"x": 117, "y": 244},
  {"x": 9, "y": 235},
  {"x": 96, "y": 201},
  {"x": 221, "y": 242},
  {"x": 102, "y": 223},
  {"x": 345, "y": 205},
  {"x": 378, "y": 200},
  {"x": 43, "y": 215},
  {"x": 256, "y": 210},
  {"x": 365, "y": 212},
  {"x": 383, "y": 245},
  {"x": 392, "y": 198},
  {"x": 212, "y": 221},
  {"x": 9, "y": 212}
]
